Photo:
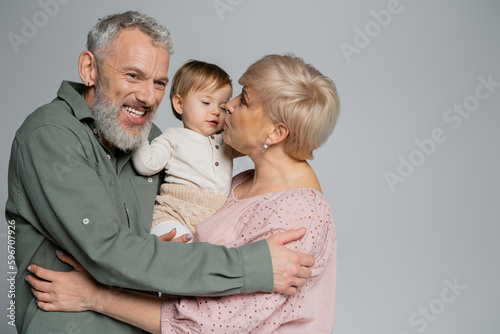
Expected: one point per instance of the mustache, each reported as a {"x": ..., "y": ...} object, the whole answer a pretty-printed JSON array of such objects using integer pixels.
[
  {"x": 138, "y": 105},
  {"x": 125, "y": 137}
]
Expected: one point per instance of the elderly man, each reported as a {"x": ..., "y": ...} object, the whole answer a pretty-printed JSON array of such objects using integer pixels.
[{"x": 72, "y": 186}]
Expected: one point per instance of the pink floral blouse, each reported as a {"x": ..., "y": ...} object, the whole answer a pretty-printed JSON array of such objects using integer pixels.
[{"x": 238, "y": 222}]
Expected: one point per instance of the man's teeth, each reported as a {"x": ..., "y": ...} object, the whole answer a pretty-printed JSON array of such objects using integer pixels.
[{"x": 133, "y": 112}]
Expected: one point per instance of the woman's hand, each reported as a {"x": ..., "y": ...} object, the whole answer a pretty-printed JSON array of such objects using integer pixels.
[
  {"x": 78, "y": 291},
  {"x": 73, "y": 291},
  {"x": 170, "y": 237}
]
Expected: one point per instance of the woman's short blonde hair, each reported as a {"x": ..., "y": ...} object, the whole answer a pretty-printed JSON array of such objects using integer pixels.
[
  {"x": 196, "y": 76},
  {"x": 298, "y": 95}
]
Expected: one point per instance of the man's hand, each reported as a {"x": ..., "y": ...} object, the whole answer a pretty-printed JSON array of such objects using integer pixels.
[{"x": 290, "y": 268}]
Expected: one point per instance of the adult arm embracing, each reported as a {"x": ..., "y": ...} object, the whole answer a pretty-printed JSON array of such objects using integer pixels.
[
  {"x": 74, "y": 209},
  {"x": 76, "y": 291}
]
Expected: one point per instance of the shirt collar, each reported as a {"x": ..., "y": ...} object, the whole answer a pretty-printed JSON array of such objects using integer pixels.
[{"x": 71, "y": 92}]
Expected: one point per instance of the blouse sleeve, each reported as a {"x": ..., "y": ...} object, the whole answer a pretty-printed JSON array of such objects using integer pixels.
[
  {"x": 262, "y": 312},
  {"x": 149, "y": 159}
]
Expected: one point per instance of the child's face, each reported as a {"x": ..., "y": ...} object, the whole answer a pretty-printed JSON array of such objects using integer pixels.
[{"x": 205, "y": 111}]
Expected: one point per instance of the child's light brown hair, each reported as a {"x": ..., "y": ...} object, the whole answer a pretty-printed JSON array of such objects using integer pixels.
[{"x": 195, "y": 76}]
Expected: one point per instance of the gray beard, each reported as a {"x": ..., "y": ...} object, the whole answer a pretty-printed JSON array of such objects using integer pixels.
[{"x": 106, "y": 117}]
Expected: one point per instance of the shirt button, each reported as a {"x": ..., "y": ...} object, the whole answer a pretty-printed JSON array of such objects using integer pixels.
[
  {"x": 85, "y": 221},
  {"x": 217, "y": 146},
  {"x": 216, "y": 163},
  {"x": 95, "y": 131},
  {"x": 150, "y": 179},
  {"x": 212, "y": 137},
  {"x": 109, "y": 157}
]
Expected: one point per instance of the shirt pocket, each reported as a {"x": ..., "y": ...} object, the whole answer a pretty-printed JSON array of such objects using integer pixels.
[{"x": 145, "y": 189}]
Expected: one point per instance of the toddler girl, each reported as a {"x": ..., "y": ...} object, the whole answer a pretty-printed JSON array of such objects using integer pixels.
[{"x": 198, "y": 165}]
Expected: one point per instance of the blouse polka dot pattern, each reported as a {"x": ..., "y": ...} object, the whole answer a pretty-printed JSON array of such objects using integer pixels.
[{"x": 238, "y": 222}]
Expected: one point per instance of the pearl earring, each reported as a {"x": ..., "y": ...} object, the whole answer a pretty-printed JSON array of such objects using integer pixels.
[{"x": 265, "y": 147}]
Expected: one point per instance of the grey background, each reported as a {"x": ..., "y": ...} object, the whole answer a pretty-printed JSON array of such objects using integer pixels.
[{"x": 397, "y": 247}]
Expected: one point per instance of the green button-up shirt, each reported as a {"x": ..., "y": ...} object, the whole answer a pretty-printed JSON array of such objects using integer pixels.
[{"x": 68, "y": 191}]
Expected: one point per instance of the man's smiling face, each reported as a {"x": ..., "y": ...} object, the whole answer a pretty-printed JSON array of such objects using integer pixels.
[{"x": 131, "y": 85}]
